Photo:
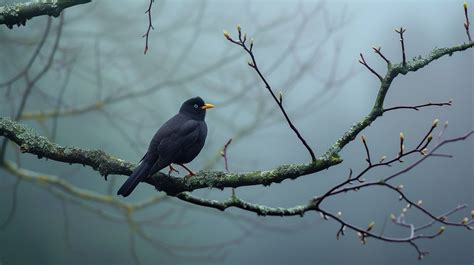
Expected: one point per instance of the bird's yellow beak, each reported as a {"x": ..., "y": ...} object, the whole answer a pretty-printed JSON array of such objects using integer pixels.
[{"x": 207, "y": 106}]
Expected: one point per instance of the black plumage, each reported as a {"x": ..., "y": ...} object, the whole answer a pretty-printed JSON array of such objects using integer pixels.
[{"x": 178, "y": 141}]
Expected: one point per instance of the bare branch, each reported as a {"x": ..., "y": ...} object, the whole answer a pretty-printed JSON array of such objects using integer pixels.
[
  {"x": 402, "y": 42},
  {"x": 417, "y": 107},
  {"x": 364, "y": 63},
  {"x": 364, "y": 141},
  {"x": 467, "y": 24},
  {"x": 253, "y": 64},
  {"x": 150, "y": 25},
  {"x": 224, "y": 155},
  {"x": 378, "y": 51}
]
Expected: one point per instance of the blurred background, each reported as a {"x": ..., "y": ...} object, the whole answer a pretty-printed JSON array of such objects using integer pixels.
[{"x": 83, "y": 80}]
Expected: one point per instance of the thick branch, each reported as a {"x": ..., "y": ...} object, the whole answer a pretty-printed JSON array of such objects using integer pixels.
[
  {"x": 18, "y": 14},
  {"x": 31, "y": 143}
]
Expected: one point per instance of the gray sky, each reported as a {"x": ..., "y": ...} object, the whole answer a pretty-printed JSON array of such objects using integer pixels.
[{"x": 307, "y": 50}]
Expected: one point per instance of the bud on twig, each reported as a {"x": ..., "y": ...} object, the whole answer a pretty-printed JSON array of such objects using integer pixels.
[
  {"x": 227, "y": 34},
  {"x": 382, "y": 159},
  {"x": 370, "y": 226},
  {"x": 392, "y": 217},
  {"x": 424, "y": 151},
  {"x": 441, "y": 229},
  {"x": 430, "y": 137},
  {"x": 402, "y": 146}
]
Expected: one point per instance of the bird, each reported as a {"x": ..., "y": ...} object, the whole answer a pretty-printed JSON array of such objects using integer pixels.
[{"x": 177, "y": 141}]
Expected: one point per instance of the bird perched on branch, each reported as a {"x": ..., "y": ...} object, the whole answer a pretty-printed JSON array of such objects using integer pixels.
[{"x": 178, "y": 141}]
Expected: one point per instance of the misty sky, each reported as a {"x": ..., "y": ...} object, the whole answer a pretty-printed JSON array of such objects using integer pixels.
[{"x": 309, "y": 51}]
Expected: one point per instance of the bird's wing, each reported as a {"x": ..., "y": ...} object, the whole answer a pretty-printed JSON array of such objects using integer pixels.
[{"x": 174, "y": 143}]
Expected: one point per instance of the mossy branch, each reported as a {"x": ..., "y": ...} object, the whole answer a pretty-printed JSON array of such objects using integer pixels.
[
  {"x": 18, "y": 14},
  {"x": 393, "y": 71},
  {"x": 261, "y": 210},
  {"x": 106, "y": 164},
  {"x": 40, "y": 146}
]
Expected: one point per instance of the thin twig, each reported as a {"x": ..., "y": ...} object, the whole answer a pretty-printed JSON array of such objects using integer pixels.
[
  {"x": 364, "y": 63},
  {"x": 402, "y": 146},
  {"x": 224, "y": 154},
  {"x": 417, "y": 107},
  {"x": 467, "y": 24},
  {"x": 364, "y": 140},
  {"x": 402, "y": 42},
  {"x": 428, "y": 136},
  {"x": 378, "y": 51},
  {"x": 150, "y": 25},
  {"x": 253, "y": 64}
]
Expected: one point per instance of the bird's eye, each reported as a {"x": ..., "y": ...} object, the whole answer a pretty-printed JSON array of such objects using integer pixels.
[{"x": 196, "y": 106}]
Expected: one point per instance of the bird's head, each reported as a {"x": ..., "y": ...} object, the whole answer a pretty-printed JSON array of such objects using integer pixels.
[{"x": 195, "y": 108}]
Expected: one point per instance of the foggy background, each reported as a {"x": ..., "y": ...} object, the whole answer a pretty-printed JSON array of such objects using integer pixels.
[{"x": 306, "y": 49}]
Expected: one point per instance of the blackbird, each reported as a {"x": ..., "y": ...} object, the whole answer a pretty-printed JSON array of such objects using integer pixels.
[{"x": 178, "y": 141}]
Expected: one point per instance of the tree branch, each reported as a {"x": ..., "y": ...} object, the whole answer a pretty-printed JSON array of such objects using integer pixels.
[
  {"x": 18, "y": 14},
  {"x": 31, "y": 143},
  {"x": 279, "y": 101},
  {"x": 393, "y": 71},
  {"x": 417, "y": 107},
  {"x": 150, "y": 25},
  {"x": 106, "y": 164},
  {"x": 251, "y": 207}
]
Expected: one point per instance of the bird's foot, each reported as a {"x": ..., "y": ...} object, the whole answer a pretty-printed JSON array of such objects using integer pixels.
[
  {"x": 172, "y": 169},
  {"x": 189, "y": 175},
  {"x": 190, "y": 172}
]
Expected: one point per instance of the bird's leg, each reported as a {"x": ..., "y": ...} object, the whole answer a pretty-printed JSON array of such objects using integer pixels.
[
  {"x": 171, "y": 170},
  {"x": 191, "y": 173}
]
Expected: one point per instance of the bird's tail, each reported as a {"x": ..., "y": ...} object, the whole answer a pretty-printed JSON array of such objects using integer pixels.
[{"x": 138, "y": 175}]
